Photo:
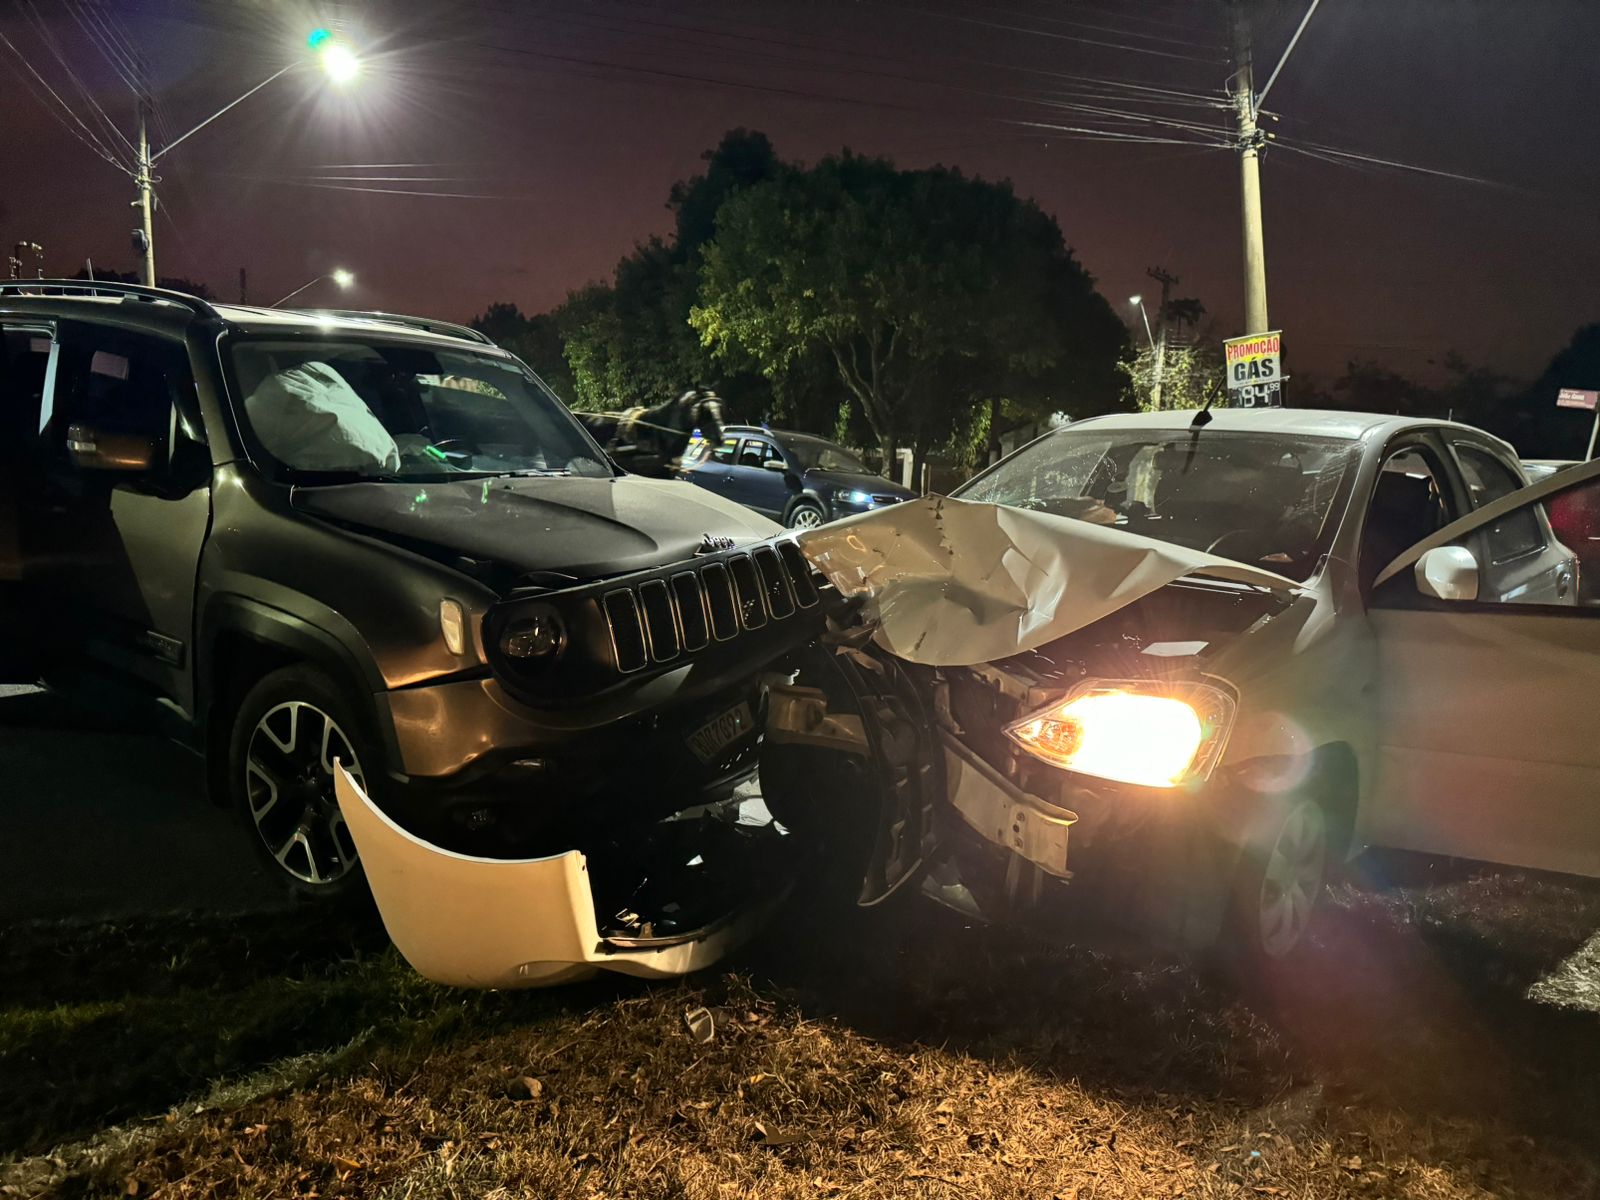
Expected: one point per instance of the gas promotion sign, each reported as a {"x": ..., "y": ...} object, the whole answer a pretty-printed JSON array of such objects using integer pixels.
[{"x": 1255, "y": 370}]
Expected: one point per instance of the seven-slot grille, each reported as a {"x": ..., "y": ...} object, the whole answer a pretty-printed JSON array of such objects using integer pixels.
[{"x": 660, "y": 619}]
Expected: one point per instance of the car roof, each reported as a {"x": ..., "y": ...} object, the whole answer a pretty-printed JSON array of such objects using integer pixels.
[
  {"x": 156, "y": 308},
  {"x": 1301, "y": 422},
  {"x": 798, "y": 433}
]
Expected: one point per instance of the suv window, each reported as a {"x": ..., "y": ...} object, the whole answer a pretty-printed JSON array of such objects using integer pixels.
[
  {"x": 116, "y": 382},
  {"x": 24, "y": 379},
  {"x": 1516, "y": 534}
]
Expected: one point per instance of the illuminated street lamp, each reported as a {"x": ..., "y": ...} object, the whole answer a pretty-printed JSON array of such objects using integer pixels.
[
  {"x": 339, "y": 62},
  {"x": 339, "y": 275},
  {"x": 1138, "y": 302}
]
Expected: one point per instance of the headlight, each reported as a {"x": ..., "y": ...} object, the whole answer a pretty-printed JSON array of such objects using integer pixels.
[
  {"x": 535, "y": 638},
  {"x": 860, "y": 497},
  {"x": 1139, "y": 732}
]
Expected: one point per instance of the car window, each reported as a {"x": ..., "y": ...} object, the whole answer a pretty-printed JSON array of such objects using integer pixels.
[
  {"x": 1270, "y": 500},
  {"x": 725, "y": 452},
  {"x": 114, "y": 381},
  {"x": 1517, "y": 534},
  {"x": 757, "y": 451},
  {"x": 323, "y": 408},
  {"x": 25, "y": 360},
  {"x": 810, "y": 453},
  {"x": 1565, "y": 574},
  {"x": 1409, "y": 502}
]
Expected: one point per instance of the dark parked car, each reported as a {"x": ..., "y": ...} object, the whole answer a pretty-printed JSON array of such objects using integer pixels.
[
  {"x": 800, "y": 480},
  {"x": 295, "y": 538}
]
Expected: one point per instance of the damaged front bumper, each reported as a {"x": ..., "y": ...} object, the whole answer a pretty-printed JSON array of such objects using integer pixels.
[{"x": 476, "y": 922}]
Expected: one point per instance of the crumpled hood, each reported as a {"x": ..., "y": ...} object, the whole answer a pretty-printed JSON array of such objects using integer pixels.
[
  {"x": 956, "y": 583},
  {"x": 586, "y": 528}
]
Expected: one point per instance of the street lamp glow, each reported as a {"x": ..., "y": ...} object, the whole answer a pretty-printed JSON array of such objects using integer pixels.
[
  {"x": 342, "y": 277},
  {"x": 1135, "y": 300},
  {"x": 340, "y": 62}
]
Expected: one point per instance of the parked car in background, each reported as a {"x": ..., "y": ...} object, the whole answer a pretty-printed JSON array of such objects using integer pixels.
[
  {"x": 796, "y": 479},
  {"x": 1180, "y": 671},
  {"x": 1542, "y": 468}
]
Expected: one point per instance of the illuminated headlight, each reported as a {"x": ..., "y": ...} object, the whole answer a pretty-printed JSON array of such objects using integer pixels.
[
  {"x": 453, "y": 625},
  {"x": 860, "y": 497},
  {"x": 538, "y": 636},
  {"x": 1144, "y": 733}
]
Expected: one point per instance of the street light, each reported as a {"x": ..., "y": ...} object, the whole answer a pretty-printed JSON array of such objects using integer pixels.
[
  {"x": 339, "y": 275},
  {"x": 1138, "y": 302},
  {"x": 338, "y": 61}
]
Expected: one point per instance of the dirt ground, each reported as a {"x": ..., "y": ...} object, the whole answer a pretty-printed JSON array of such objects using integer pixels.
[{"x": 1442, "y": 1040}]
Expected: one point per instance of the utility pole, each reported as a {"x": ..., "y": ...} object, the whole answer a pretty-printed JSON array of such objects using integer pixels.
[
  {"x": 144, "y": 243},
  {"x": 244, "y": 289},
  {"x": 1158, "y": 368},
  {"x": 1249, "y": 145}
]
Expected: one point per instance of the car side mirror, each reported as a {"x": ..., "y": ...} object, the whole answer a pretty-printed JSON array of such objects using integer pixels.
[
  {"x": 1448, "y": 573},
  {"x": 94, "y": 449},
  {"x": 776, "y": 464}
]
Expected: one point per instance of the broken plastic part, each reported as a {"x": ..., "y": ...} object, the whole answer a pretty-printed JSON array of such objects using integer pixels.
[
  {"x": 956, "y": 583},
  {"x": 510, "y": 923}
]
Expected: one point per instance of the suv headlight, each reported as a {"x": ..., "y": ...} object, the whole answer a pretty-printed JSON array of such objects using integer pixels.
[
  {"x": 1149, "y": 733},
  {"x": 536, "y": 638}
]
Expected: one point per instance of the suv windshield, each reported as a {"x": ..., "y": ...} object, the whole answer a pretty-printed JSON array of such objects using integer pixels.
[
  {"x": 815, "y": 454},
  {"x": 329, "y": 409},
  {"x": 1261, "y": 499}
]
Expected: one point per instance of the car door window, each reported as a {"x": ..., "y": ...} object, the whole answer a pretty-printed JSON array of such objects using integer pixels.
[
  {"x": 1563, "y": 571},
  {"x": 755, "y": 451},
  {"x": 1519, "y": 533},
  {"x": 118, "y": 382},
  {"x": 725, "y": 452},
  {"x": 1409, "y": 502}
]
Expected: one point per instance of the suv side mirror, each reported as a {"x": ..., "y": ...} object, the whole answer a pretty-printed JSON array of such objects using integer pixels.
[
  {"x": 776, "y": 464},
  {"x": 92, "y": 449},
  {"x": 1448, "y": 573}
]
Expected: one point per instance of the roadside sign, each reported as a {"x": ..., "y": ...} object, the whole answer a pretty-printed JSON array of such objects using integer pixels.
[
  {"x": 1578, "y": 398},
  {"x": 1255, "y": 369}
]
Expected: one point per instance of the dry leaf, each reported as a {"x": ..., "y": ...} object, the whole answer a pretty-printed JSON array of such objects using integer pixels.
[{"x": 525, "y": 1087}]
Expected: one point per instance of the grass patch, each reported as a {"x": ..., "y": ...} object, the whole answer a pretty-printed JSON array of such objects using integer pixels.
[{"x": 924, "y": 1058}]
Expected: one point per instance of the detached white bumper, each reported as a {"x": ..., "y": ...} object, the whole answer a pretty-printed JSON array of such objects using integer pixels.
[{"x": 494, "y": 923}]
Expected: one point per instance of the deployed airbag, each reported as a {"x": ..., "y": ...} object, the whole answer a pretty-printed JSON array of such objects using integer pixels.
[
  {"x": 310, "y": 419},
  {"x": 955, "y": 582}
]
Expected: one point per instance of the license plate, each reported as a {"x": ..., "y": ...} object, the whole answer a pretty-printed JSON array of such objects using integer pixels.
[{"x": 717, "y": 734}]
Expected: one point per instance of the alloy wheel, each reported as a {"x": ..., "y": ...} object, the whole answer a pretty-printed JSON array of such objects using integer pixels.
[
  {"x": 1292, "y": 885},
  {"x": 288, "y": 783},
  {"x": 805, "y": 517}
]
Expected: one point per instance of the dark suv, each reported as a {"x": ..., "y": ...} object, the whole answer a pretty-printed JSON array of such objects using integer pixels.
[
  {"x": 795, "y": 478},
  {"x": 297, "y": 537}
]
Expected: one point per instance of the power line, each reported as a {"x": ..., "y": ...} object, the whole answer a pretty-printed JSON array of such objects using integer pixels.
[{"x": 87, "y": 137}]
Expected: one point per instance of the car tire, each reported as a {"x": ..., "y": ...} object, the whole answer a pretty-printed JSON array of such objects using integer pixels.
[
  {"x": 286, "y": 732},
  {"x": 806, "y": 515},
  {"x": 1280, "y": 885}
]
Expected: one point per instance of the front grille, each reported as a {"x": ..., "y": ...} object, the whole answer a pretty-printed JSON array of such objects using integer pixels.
[{"x": 660, "y": 620}]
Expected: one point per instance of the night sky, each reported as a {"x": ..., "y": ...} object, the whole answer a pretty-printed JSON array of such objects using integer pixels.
[{"x": 562, "y": 125}]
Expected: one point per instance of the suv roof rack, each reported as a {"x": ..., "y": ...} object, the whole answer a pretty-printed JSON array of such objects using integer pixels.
[
  {"x": 426, "y": 324},
  {"x": 91, "y": 287}
]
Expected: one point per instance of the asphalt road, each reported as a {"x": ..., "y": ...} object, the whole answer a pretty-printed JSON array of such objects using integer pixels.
[{"x": 99, "y": 822}]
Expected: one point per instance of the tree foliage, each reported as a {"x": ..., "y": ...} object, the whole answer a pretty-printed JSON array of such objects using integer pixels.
[{"x": 929, "y": 295}]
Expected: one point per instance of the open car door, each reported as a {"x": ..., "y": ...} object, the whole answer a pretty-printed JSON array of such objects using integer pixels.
[{"x": 1488, "y": 636}]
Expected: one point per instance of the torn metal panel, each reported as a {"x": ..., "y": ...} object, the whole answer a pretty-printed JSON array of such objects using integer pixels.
[
  {"x": 494, "y": 923},
  {"x": 956, "y": 583}
]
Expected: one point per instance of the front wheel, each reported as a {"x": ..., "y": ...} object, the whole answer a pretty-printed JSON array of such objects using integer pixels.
[
  {"x": 1279, "y": 889},
  {"x": 806, "y": 515},
  {"x": 287, "y": 733}
]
